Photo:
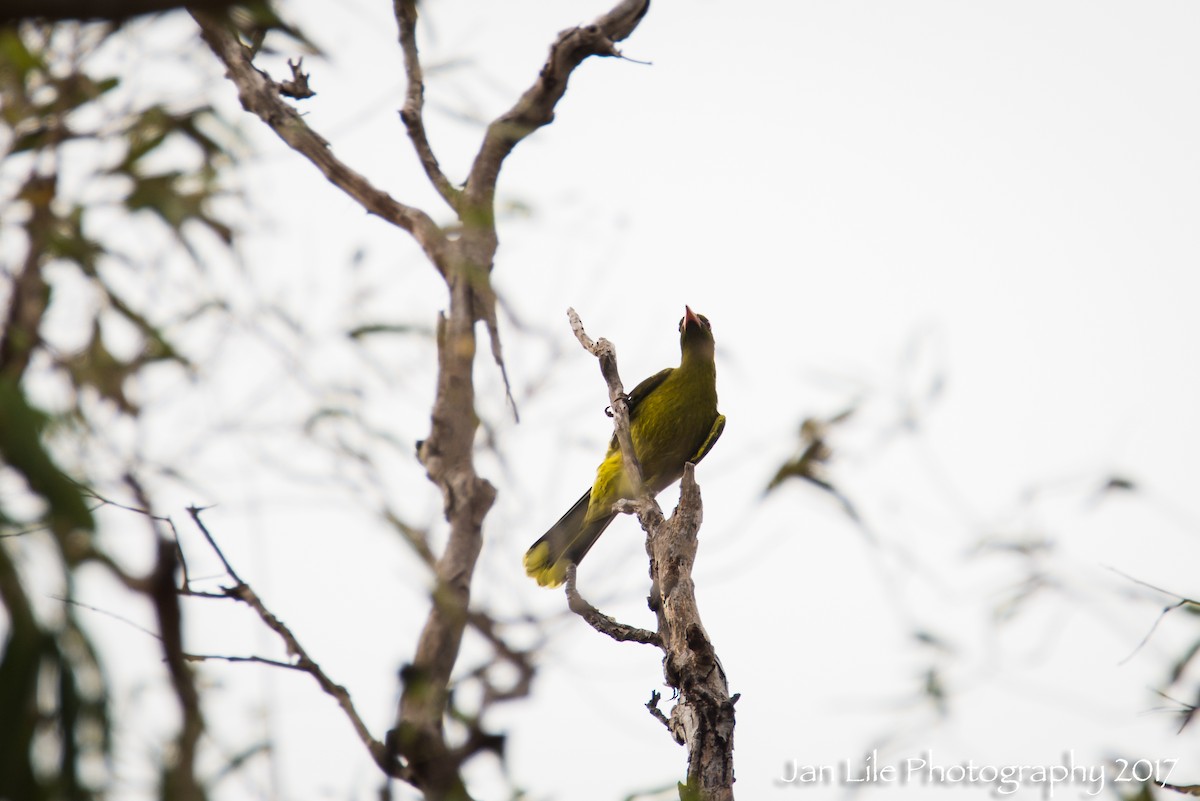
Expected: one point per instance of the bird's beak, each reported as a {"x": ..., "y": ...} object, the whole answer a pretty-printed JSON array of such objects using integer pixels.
[{"x": 689, "y": 317}]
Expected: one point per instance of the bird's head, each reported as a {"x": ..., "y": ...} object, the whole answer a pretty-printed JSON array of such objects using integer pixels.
[{"x": 695, "y": 335}]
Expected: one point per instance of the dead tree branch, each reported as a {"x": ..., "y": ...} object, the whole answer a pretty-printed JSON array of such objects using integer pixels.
[
  {"x": 414, "y": 103},
  {"x": 260, "y": 95},
  {"x": 181, "y": 777},
  {"x": 602, "y": 622},
  {"x": 618, "y": 401},
  {"x": 465, "y": 263},
  {"x": 242, "y": 592},
  {"x": 448, "y": 452},
  {"x": 535, "y": 108},
  {"x": 703, "y": 717}
]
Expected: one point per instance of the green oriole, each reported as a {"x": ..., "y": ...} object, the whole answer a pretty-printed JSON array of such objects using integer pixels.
[{"x": 673, "y": 420}]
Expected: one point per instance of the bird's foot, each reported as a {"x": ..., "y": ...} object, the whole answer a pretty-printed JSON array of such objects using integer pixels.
[{"x": 608, "y": 410}]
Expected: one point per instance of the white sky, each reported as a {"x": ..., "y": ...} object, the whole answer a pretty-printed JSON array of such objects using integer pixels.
[{"x": 861, "y": 196}]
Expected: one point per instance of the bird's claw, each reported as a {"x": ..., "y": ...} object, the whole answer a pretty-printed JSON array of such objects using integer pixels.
[{"x": 608, "y": 410}]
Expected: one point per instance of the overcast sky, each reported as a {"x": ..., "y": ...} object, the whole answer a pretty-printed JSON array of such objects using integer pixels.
[{"x": 980, "y": 213}]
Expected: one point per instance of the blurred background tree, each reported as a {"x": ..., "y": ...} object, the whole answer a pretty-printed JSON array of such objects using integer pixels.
[
  {"x": 152, "y": 359},
  {"x": 83, "y": 168}
]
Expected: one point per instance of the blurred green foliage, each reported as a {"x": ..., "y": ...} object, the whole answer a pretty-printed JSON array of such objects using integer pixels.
[{"x": 55, "y": 723}]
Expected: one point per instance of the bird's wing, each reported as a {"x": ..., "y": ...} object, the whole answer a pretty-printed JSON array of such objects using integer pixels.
[
  {"x": 637, "y": 396},
  {"x": 643, "y": 389},
  {"x": 713, "y": 435}
]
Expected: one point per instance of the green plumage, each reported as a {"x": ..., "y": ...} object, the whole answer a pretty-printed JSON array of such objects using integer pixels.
[{"x": 673, "y": 420}]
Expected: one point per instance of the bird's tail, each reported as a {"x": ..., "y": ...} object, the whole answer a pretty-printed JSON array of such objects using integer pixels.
[{"x": 565, "y": 543}]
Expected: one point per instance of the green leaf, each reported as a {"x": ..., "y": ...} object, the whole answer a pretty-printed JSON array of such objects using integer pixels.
[
  {"x": 146, "y": 133},
  {"x": 15, "y": 58},
  {"x": 21, "y": 448}
]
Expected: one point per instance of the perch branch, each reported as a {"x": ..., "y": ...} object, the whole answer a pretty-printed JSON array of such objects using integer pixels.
[
  {"x": 604, "y": 351},
  {"x": 703, "y": 718}
]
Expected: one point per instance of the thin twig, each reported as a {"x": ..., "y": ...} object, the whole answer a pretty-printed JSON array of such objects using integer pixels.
[
  {"x": 159, "y": 521},
  {"x": 260, "y": 660},
  {"x": 194, "y": 513},
  {"x": 521, "y": 661},
  {"x": 493, "y": 328},
  {"x": 106, "y": 613},
  {"x": 601, "y": 622},
  {"x": 245, "y": 594},
  {"x": 655, "y": 712},
  {"x": 412, "y": 114},
  {"x": 1183, "y": 601},
  {"x": 260, "y": 96},
  {"x": 1186, "y": 711},
  {"x": 535, "y": 107}
]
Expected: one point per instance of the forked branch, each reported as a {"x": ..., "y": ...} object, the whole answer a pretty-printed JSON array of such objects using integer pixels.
[
  {"x": 412, "y": 113},
  {"x": 535, "y": 108},
  {"x": 261, "y": 96}
]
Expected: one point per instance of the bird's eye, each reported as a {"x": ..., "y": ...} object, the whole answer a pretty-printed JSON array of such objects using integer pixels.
[{"x": 681, "y": 321}]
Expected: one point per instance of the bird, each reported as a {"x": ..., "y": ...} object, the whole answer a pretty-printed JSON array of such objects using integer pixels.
[{"x": 673, "y": 420}]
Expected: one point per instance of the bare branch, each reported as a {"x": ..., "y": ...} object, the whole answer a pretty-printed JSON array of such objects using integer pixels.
[
  {"x": 194, "y": 512},
  {"x": 703, "y": 718},
  {"x": 520, "y": 661},
  {"x": 412, "y": 114},
  {"x": 379, "y": 752},
  {"x": 1187, "y": 712},
  {"x": 257, "y": 660},
  {"x": 1182, "y": 602},
  {"x": 603, "y": 350},
  {"x": 493, "y": 328},
  {"x": 448, "y": 452},
  {"x": 602, "y": 622},
  {"x": 260, "y": 96},
  {"x": 465, "y": 263},
  {"x": 655, "y": 712},
  {"x": 448, "y": 458},
  {"x": 107, "y": 613},
  {"x": 535, "y": 108},
  {"x": 242, "y": 592},
  {"x": 165, "y": 598}
]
